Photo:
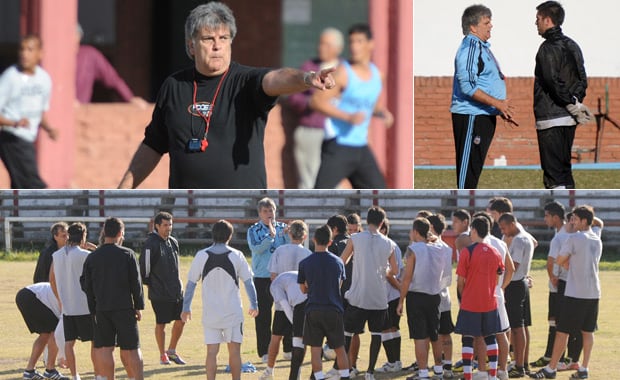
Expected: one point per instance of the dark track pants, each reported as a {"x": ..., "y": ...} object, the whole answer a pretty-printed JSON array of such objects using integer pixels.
[
  {"x": 263, "y": 320},
  {"x": 472, "y": 139},
  {"x": 555, "y": 145},
  {"x": 20, "y": 160}
]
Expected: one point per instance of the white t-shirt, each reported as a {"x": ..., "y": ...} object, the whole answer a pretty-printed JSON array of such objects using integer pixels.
[
  {"x": 556, "y": 244},
  {"x": 446, "y": 304},
  {"x": 24, "y": 96},
  {"x": 430, "y": 262},
  {"x": 585, "y": 249},
  {"x": 392, "y": 292},
  {"x": 521, "y": 250},
  {"x": 221, "y": 298},
  {"x": 68, "y": 263},
  {"x": 372, "y": 251},
  {"x": 44, "y": 293},
  {"x": 286, "y": 288},
  {"x": 286, "y": 258}
]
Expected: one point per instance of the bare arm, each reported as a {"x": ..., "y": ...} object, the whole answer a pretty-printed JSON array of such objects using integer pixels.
[
  {"x": 393, "y": 265},
  {"x": 510, "y": 270},
  {"x": 503, "y": 106},
  {"x": 407, "y": 276},
  {"x": 287, "y": 81},
  {"x": 321, "y": 101},
  {"x": 460, "y": 284},
  {"x": 51, "y": 132},
  {"x": 348, "y": 252},
  {"x": 142, "y": 164}
]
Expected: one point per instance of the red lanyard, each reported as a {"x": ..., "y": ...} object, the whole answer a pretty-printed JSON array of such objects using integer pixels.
[{"x": 204, "y": 143}]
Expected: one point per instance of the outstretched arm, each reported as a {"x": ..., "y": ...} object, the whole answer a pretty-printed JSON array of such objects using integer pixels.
[
  {"x": 142, "y": 164},
  {"x": 287, "y": 81}
]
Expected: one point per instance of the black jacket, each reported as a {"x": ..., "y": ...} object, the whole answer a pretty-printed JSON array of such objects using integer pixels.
[
  {"x": 560, "y": 77},
  {"x": 111, "y": 279},
  {"x": 162, "y": 274},
  {"x": 44, "y": 263}
]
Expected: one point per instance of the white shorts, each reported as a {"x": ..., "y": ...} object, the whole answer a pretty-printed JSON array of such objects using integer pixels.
[
  {"x": 501, "y": 309},
  {"x": 226, "y": 335}
]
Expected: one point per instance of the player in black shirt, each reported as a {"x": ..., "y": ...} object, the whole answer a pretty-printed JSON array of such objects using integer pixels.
[{"x": 211, "y": 117}]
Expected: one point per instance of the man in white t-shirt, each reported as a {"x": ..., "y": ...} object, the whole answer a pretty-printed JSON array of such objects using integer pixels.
[
  {"x": 67, "y": 265},
  {"x": 25, "y": 91},
  {"x": 367, "y": 296},
  {"x": 580, "y": 255},
  {"x": 221, "y": 267}
]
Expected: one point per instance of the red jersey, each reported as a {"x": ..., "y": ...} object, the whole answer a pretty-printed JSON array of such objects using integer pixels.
[{"x": 479, "y": 264}]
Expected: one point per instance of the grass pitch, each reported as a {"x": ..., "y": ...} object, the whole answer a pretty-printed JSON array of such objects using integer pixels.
[
  {"x": 17, "y": 341},
  {"x": 514, "y": 179}
]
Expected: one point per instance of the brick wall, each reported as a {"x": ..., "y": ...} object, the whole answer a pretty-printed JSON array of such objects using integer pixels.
[{"x": 433, "y": 125}]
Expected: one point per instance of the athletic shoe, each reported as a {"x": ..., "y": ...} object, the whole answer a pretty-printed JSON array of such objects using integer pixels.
[
  {"x": 354, "y": 372},
  {"x": 448, "y": 374},
  {"x": 541, "y": 362},
  {"x": 502, "y": 375},
  {"x": 264, "y": 358},
  {"x": 573, "y": 366},
  {"x": 35, "y": 375},
  {"x": 562, "y": 366},
  {"x": 516, "y": 373},
  {"x": 417, "y": 377},
  {"x": 543, "y": 374},
  {"x": 176, "y": 358},
  {"x": 332, "y": 374},
  {"x": 54, "y": 375},
  {"x": 267, "y": 375},
  {"x": 579, "y": 374},
  {"x": 369, "y": 376},
  {"x": 164, "y": 359},
  {"x": 390, "y": 367},
  {"x": 412, "y": 367},
  {"x": 480, "y": 375},
  {"x": 287, "y": 355}
]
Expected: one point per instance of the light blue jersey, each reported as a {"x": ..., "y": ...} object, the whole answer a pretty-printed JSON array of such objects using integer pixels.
[
  {"x": 358, "y": 96},
  {"x": 262, "y": 245},
  {"x": 475, "y": 68}
]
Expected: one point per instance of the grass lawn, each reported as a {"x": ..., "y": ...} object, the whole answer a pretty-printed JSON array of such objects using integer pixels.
[
  {"x": 514, "y": 179},
  {"x": 17, "y": 342}
]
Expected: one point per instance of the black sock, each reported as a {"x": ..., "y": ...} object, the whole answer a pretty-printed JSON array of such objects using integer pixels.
[
  {"x": 375, "y": 347},
  {"x": 396, "y": 344},
  {"x": 296, "y": 362},
  {"x": 550, "y": 341},
  {"x": 389, "y": 350}
]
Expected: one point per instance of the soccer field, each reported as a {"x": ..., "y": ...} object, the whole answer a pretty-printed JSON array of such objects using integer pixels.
[
  {"x": 514, "y": 179},
  {"x": 17, "y": 342}
]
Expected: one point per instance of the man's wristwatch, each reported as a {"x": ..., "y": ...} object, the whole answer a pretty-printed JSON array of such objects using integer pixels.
[{"x": 308, "y": 78}]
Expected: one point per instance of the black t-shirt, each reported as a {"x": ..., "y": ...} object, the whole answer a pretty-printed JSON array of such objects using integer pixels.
[{"x": 235, "y": 157}]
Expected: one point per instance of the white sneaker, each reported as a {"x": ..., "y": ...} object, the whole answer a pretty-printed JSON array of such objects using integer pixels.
[
  {"x": 369, "y": 376},
  {"x": 502, "y": 375},
  {"x": 390, "y": 367},
  {"x": 332, "y": 374},
  {"x": 480, "y": 375},
  {"x": 265, "y": 358},
  {"x": 267, "y": 375},
  {"x": 287, "y": 355}
]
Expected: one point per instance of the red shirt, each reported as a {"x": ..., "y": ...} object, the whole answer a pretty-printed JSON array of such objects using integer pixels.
[{"x": 480, "y": 270}]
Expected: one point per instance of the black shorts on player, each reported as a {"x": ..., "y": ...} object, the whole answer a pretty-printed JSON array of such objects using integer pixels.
[
  {"x": 355, "y": 318},
  {"x": 553, "y": 306},
  {"x": 446, "y": 326},
  {"x": 423, "y": 315},
  {"x": 578, "y": 314},
  {"x": 117, "y": 328},
  {"x": 78, "y": 327},
  {"x": 299, "y": 315},
  {"x": 166, "y": 312},
  {"x": 393, "y": 319},
  {"x": 515, "y": 303},
  {"x": 38, "y": 317},
  {"x": 321, "y": 324},
  {"x": 281, "y": 325}
]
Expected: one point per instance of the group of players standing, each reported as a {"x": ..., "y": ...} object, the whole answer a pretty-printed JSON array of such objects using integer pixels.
[{"x": 353, "y": 278}]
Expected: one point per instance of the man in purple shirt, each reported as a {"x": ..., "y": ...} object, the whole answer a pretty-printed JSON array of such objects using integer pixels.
[
  {"x": 309, "y": 132},
  {"x": 92, "y": 66}
]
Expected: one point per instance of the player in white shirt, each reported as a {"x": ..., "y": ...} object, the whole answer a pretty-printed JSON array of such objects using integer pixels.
[
  {"x": 374, "y": 260},
  {"x": 221, "y": 267},
  {"x": 580, "y": 254},
  {"x": 286, "y": 257}
]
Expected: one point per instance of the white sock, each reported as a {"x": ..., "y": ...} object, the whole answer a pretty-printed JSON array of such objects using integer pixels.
[
  {"x": 344, "y": 372},
  {"x": 319, "y": 375},
  {"x": 437, "y": 369}
]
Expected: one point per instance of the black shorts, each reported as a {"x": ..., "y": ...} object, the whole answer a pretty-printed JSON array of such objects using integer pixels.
[
  {"x": 299, "y": 314},
  {"x": 355, "y": 318},
  {"x": 554, "y": 306},
  {"x": 446, "y": 326},
  {"x": 321, "y": 324},
  {"x": 527, "y": 308},
  {"x": 78, "y": 327},
  {"x": 281, "y": 325},
  {"x": 578, "y": 314},
  {"x": 38, "y": 317},
  {"x": 166, "y": 312},
  {"x": 514, "y": 295},
  {"x": 117, "y": 328},
  {"x": 393, "y": 319},
  {"x": 423, "y": 315}
]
